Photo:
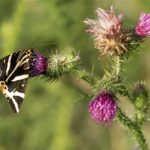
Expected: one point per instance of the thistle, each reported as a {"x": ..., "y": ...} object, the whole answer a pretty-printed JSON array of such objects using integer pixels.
[
  {"x": 52, "y": 66},
  {"x": 112, "y": 38}
]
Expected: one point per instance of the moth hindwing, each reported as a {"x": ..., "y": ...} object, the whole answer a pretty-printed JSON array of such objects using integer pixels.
[{"x": 14, "y": 73}]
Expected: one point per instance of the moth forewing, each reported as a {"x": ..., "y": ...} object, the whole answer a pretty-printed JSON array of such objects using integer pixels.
[{"x": 13, "y": 77}]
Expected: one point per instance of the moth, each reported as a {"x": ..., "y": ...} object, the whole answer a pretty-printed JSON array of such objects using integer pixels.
[{"x": 14, "y": 74}]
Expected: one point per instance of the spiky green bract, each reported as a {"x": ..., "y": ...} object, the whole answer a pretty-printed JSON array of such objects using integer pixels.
[
  {"x": 134, "y": 45},
  {"x": 58, "y": 64},
  {"x": 112, "y": 79},
  {"x": 111, "y": 84}
]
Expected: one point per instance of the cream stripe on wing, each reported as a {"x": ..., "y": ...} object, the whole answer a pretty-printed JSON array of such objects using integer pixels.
[
  {"x": 8, "y": 64},
  {"x": 15, "y": 104},
  {"x": 10, "y": 96},
  {"x": 21, "y": 77},
  {"x": 16, "y": 93},
  {"x": 19, "y": 63}
]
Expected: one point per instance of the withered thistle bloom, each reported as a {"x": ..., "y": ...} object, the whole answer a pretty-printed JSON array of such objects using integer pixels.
[
  {"x": 107, "y": 32},
  {"x": 103, "y": 107},
  {"x": 143, "y": 26},
  {"x": 38, "y": 64}
]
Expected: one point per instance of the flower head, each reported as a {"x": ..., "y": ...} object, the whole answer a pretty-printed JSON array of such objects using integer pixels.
[
  {"x": 143, "y": 26},
  {"x": 38, "y": 64},
  {"x": 107, "y": 32},
  {"x": 103, "y": 107}
]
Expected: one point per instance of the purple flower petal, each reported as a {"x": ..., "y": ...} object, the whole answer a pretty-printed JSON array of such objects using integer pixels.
[
  {"x": 143, "y": 26},
  {"x": 38, "y": 64},
  {"x": 103, "y": 107}
]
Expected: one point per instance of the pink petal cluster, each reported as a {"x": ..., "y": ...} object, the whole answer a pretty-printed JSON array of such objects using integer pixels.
[
  {"x": 143, "y": 25},
  {"x": 106, "y": 30},
  {"x": 103, "y": 107},
  {"x": 106, "y": 24}
]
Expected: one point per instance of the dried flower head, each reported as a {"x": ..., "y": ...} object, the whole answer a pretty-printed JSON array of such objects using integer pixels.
[
  {"x": 107, "y": 31},
  {"x": 38, "y": 64},
  {"x": 103, "y": 107},
  {"x": 143, "y": 26}
]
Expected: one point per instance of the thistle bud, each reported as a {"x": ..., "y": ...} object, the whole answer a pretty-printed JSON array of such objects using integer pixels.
[{"x": 141, "y": 96}]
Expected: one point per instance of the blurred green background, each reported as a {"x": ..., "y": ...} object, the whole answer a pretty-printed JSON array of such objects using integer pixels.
[{"x": 55, "y": 116}]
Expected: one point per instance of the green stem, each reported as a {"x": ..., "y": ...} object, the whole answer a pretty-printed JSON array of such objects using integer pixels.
[
  {"x": 117, "y": 66},
  {"x": 134, "y": 129},
  {"x": 127, "y": 122}
]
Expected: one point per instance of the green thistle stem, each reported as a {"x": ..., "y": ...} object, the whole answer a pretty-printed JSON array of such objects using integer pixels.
[
  {"x": 127, "y": 122},
  {"x": 133, "y": 128},
  {"x": 117, "y": 66}
]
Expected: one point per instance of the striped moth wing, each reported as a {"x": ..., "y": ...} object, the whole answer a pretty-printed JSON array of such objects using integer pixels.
[{"x": 14, "y": 73}]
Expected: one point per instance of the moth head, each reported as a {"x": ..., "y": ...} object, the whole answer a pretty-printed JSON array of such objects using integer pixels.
[{"x": 2, "y": 86}]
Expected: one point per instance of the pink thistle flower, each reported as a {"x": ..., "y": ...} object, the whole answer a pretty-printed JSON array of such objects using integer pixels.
[
  {"x": 143, "y": 26},
  {"x": 107, "y": 32},
  {"x": 103, "y": 107}
]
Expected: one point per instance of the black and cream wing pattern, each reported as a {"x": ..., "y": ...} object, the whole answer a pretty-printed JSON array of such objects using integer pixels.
[{"x": 14, "y": 73}]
